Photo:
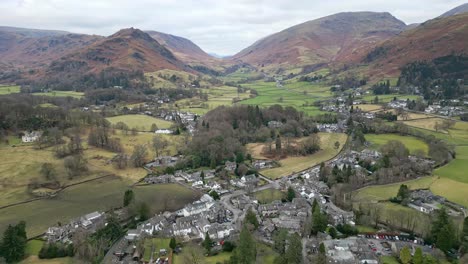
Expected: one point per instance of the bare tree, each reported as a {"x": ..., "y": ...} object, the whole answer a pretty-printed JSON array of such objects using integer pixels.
[
  {"x": 159, "y": 144},
  {"x": 138, "y": 156}
]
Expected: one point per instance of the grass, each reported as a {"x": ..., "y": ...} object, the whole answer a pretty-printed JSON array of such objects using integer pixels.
[
  {"x": 389, "y": 260},
  {"x": 291, "y": 165},
  {"x": 9, "y": 89},
  {"x": 159, "y": 243},
  {"x": 426, "y": 123},
  {"x": 385, "y": 98},
  {"x": 411, "y": 143},
  {"x": 103, "y": 194},
  {"x": 33, "y": 247},
  {"x": 36, "y": 260},
  {"x": 456, "y": 169},
  {"x": 140, "y": 122},
  {"x": 268, "y": 196},
  {"x": 368, "y": 107},
  {"x": 365, "y": 229},
  {"x": 73, "y": 94}
]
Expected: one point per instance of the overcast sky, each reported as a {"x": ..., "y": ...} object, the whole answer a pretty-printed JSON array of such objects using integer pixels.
[{"x": 219, "y": 26}]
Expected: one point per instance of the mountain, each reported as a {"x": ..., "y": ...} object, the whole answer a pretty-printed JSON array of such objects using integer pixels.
[
  {"x": 456, "y": 11},
  {"x": 31, "y": 48},
  {"x": 184, "y": 49},
  {"x": 127, "y": 50},
  {"x": 432, "y": 39},
  {"x": 343, "y": 37}
]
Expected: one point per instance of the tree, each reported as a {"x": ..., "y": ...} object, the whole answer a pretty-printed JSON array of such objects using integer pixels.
[
  {"x": 278, "y": 143},
  {"x": 443, "y": 231},
  {"x": 129, "y": 197},
  {"x": 403, "y": 192},
  {"x": 251, "y": 218},
  {"x": 332, "y": 232},
  {"x": 207, "y": 243},
  {"x": 279, "y": 241},
  {"x": 159, "y": 144},
  {"x": 322, "y": 258},
  {"x": 154, "y": 127},
  {"x": 14, "y": 241},
  {"x": 405, "y": 255},
  {"x": 75, "y": 165},
  {"x": 246, "y": 252},
  {"x": 294, "y": 251},
  {"x": 337, "y": 145},
  {"x": 144, "y": 211},
  {"x": 418, "y": 256},
  {"x": 214, "y": 194},
  {"x": 172, "y": 243},
  {"x": 319, "y": 221},
  {"x": 48, "y": 171},
  {"x": 202, "y": 176},
  {"x": 138, "y": 156},
  {"x": 291, "y": 194}
]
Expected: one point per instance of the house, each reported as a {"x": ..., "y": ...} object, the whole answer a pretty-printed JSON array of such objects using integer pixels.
[
  {"x": 230, "y": 166},
  {"x": 164, "y": 131},
  {"x": 29, "y": 137},
  {"x": 274, "y": 124},
  {"x": 220, "y": 231},
  {"x": 249, "y": 180}
]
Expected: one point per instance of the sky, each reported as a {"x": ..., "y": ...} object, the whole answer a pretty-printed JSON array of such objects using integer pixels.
[{"x": 223, "y": 27}]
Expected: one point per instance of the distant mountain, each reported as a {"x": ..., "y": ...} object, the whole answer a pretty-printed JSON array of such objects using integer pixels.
[
  {"x": 218, "y": 56},
  {"x": 184, "y": 49},
  {"x": 456, "y": 11},
  {"x": 31, "y": 48},
  {"x": 33, "y": 33},
  {"x": 343, "y": 37},
  {"x": 127, "y": 50},
  {"x": 432, "y": 39}
]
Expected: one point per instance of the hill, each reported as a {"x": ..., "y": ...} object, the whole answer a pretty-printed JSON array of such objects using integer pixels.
[
  {"x": 456, "y": 11},
  {"x": 184, "y": 49},
  {"x": 342, "y": 37},
  {"x": 127, "y": 50},
  {"x": 33, "y": 33},
  {"x": 432, "y": 39}
]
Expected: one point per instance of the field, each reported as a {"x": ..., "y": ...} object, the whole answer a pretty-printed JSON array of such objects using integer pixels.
[
  {"x": 300, "y": 95},
  {"x": 140, "y": 122},
  {"x": 389, "y": 260},
  {"x": 82, "y": 199},
  {"x": 9, "y": 89},
  {"x": 426, "y": 123},
  {"x": 385, "y": 98},
  {"x": 269, "y": 195},
  {"x": 217, "y": 96},
  {"x": 412, "y": 143},
  {"x": 456, "y": 169},
  {"x": 295, "y": 164},
  {"x": 368, "y": 107},
  {"x": 73, "y": 94}
]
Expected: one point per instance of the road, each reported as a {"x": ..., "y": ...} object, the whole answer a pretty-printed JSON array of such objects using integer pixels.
[{"x": 226, "y": 202}]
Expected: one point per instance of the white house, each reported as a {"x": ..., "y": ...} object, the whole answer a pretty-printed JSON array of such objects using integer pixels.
[
  {"x": 164, "y": 131},
  {"x": 31, "y": 136}
]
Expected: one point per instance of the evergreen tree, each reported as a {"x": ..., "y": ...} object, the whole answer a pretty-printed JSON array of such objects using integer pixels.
[
  {"x": 321, "y": 258},
  {"x": 172, "y": 243},
  {"x": 129, "y": 196},
  {"x": 251, "y": 218},
  {"x": 319, "y": 221},
  {"x": 202, "y": 176},
  {"x": 418, "y": 256},
  {"x": 207, "y": 244},
  {"x": 246, "y": 252},
  {"x": 332, "y": 232},
  {"x": 294, "y": 251},
  {"x": 405, "y": 255},
  {"x": 14, "y": 241},
  {"x": 443, "y": 231},
  {"x": 291, "y": 194},
  {"x": 279, "y": 240}
]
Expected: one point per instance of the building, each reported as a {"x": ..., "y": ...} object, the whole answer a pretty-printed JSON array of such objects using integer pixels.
[{"x": 29, "y": 137}]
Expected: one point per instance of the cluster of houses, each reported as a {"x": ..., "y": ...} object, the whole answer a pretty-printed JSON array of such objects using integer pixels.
[
  {"x": 88, "y": 223},
  {"x": 31, "y": 136},
  {"x": 425, "y": 201},
  {"x": 445, "y": 110}
]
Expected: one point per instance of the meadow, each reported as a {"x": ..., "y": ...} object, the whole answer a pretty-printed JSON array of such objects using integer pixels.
[
  {"x": 413, "y": 144},
  {"x": 140, "y": 122},
  {"x": 73, "y": 94},
  {"x": 81, "y": 199},
  {"x": 386, "y": 98},
  {"x": 294, "y": 164},
  {"x": 269, "y": 195},
  {"x": 9, "y": 89},
  {"x": 368, "y": 107},
  {"x": 424, "y": 123}
]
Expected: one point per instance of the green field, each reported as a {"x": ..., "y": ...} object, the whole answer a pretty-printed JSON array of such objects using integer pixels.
[
  {"x": 389, "y": 260},
  {"x": 9, "y": 89},
  {"x": 269, "y": 195},
  {"x": 140, "y": 122},
  {"x": 411, "y": 143},
  {"x": 385, "y": 98},
  {"x": 73, "y": 94},
  {"x": 33, "y": 247},
  {"x": 295, "y": 164},
  {"x": 300, "y": 95},
  {"x": 85, "y": 198},
  {"x": 456, "y": 169}
]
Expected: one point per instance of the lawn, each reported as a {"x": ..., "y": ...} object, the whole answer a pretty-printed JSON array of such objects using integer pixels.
[
  {"x": 33, "y": 247},
  {"x": 73, "y": 94},
  {"x": 158, "y": 243},
  {"x": 411, "y": 143},
  {"x": 456, "y": 169},
  {"x": 291, "y": 165},
  {"x": 81, "y": 199},
  {"x": 389, "y": 260},
  {"x": 36, "y": 260},
  {"x": 385, "y": 98},
  {"x": 140, "y": 122},
  {"x": 9, "y": 89},
  {"x": 425, "y": 123},
  {"x": 269, "y": 195}
]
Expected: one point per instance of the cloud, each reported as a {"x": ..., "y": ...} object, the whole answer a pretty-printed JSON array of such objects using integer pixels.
[{"x": 220, "y": 26}]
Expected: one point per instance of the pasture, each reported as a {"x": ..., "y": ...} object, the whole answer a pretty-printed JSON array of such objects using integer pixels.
[
  {"x": 140, "y": 122},
  {"x": 386, "y": 98},
  {"x": 411, "y": 143},
  {"x": 9, "y": 89},
  {"x": 456, "y": 169},
  {"x": 82, "y": 199},
  {"x": 269, "y": 195},
  {"x": 73, "y": 94},
  {"x": 425, "y": 123},
  {"x": 294, "y": 164},
  {"x": 368, "y": 107}
]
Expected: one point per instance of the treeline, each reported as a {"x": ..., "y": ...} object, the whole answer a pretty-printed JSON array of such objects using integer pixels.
[
  {"x": 224, "y": 131},
  {"x": 441, "y": 78}
]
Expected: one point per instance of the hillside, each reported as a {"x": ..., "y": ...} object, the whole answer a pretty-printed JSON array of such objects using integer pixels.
[
  {"x": 435, "y": 38},
  {"x": 32, "y": 33},
  {"x": 342, "y": 37},
  {"x": 456, "y": 11},
  {"x": 31, "y": 49},
  {"x": 184, "y": 49},
  {"x": 127, "y": 50}
]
